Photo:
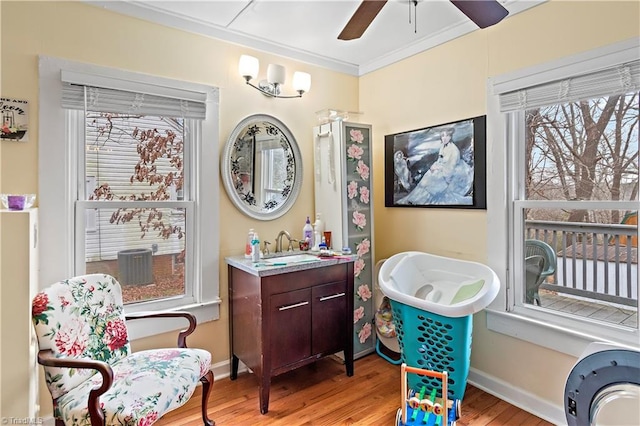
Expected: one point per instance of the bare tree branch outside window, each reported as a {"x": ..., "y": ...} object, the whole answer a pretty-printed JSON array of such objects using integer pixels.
[
  {"x": 153, "y": 147},
  {"x": 586, "y": 150}
]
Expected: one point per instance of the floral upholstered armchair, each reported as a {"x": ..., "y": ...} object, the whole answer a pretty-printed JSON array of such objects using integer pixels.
[{"x": 93, "y": 376}]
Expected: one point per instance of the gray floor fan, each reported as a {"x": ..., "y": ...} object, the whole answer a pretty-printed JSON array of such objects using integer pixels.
[{"x": 603, "y": 388}]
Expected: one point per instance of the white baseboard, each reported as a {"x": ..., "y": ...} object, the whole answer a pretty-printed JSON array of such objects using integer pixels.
[
  {"x": 222, "y": 369},
  {"x": 518, "y": 397}
]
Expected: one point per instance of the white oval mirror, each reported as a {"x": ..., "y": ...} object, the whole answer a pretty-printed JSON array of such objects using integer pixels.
[{"x": 262, "y": 167}]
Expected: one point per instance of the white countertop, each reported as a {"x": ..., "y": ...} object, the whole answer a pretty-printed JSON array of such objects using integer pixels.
[{"x": 262, "y": 269}]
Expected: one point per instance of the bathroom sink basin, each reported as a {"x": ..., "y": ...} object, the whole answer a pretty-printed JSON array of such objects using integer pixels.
[{"x": 291, "y": 259}]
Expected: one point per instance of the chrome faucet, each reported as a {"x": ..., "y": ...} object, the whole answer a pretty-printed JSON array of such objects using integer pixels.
[{"x": 279, "y": 241}]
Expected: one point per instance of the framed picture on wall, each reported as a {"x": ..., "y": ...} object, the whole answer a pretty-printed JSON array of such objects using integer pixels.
[
  {"x": 15, "y": 120},
  {"x": 437, "y": 166}
]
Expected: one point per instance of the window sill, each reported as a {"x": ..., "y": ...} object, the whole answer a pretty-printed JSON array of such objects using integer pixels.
[
  {"x": 549, "y": 334},
  {"x": 204, "y": 312}
]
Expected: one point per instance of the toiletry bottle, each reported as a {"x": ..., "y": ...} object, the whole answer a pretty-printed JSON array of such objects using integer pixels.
[
  {"x": 319, "y": 223},
  {"x": 307, "y": 233},
  {"x": 247, "y": 246},
  {"x": 255, "y": 248},
  {"x": 323, "y": 245},
  {"x": 316, "y": 240}
]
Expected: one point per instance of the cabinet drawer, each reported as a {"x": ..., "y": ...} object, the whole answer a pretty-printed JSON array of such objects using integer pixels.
[
  {"x": 304, "y": 279},
  {"x": 289, "y": 324},
  {"x": 329, "y": 313}
]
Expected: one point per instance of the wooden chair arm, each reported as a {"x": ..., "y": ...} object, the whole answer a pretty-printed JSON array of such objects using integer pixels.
[
  {"x": 182, "y": 336},
  {"x": 47, "y": 358}
]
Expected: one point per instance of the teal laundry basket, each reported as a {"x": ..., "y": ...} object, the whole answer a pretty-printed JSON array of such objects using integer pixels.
[
  {"x": 433, "y": 299},
  {"x": 434, "y": 342}
]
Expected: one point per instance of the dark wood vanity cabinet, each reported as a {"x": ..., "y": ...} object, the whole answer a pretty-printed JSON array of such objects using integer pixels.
[{"x": 284, "y": 321}]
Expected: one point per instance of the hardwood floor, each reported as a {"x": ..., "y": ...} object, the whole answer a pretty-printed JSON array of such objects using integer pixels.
[{"x": 322, "y": 394}]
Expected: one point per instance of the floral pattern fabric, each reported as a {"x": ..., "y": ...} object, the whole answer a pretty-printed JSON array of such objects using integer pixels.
[
  {"x": 83, "y": 318},
  {"x": 147, "y": 384},
  {"x": 80, "y": 318},
  {"x": 358, "y": 188}
]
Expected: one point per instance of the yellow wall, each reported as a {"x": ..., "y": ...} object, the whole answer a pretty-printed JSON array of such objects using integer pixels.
[
  {"x": 444, "y": 84},
  {"x": 0, "y": 224},
  {"x": 76, "y": 31},
  {"x": 448, "y": 83}
]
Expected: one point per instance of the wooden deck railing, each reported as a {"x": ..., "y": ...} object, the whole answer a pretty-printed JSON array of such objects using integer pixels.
[{"x": 595, "y": 261}]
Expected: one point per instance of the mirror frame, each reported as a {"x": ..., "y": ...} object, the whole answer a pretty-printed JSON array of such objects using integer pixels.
[{"x": 293, "y": 176}]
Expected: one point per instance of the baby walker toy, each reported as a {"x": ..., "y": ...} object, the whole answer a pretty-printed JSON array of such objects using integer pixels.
[{"x": 431, "y": 411}]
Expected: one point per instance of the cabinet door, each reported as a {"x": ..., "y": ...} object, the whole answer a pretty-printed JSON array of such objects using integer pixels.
[
  {"x": 290, "y": 326},
  {"x": 329, "y": 316}
]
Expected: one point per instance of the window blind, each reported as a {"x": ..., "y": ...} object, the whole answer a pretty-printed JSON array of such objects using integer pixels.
[
  {"x": 103, "y": 99},
  {"x": 615, "y": 80}
]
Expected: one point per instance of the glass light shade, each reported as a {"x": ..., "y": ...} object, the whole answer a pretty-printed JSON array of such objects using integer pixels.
[
  {"x": 275, "y": 74},
  {"x": 301, "y": 81},
  {"x": 248, "y": 66}
]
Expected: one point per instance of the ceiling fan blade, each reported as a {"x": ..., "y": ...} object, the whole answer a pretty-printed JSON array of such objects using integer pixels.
[
  {"x": 361, "y": 19},
  {"x": 483, "y": 12}
]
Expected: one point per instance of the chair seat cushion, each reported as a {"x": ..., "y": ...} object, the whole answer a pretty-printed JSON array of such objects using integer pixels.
[{"x": 146, "y": 385}]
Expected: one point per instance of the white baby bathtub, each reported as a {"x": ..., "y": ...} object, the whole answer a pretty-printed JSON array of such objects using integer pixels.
[{"x": 442, "y": 285}]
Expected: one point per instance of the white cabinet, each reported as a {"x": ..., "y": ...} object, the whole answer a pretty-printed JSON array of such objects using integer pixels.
[
  {"x": 18, "y": 285},
  {"x": 343, "y": 195}
]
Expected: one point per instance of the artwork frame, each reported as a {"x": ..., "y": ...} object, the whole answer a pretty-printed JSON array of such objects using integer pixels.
[
  {"x": 14, "y": 120},
  {"x": 440, "y": 166}
]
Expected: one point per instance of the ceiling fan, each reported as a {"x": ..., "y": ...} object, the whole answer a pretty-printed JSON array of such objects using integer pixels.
[{"x": 483, "y": 12}]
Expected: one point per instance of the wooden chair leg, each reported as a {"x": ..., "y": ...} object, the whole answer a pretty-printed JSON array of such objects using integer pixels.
[{"x": 207, "y": 381}]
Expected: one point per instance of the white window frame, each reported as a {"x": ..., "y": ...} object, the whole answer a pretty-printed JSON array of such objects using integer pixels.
[
  {"x": 59, "y": 184},
  {"x": 553, "y": 330},
  {"x": 90, "y": 216},
  {"x": 267, "y": 190},
  {"x": 83, "y": 206}
]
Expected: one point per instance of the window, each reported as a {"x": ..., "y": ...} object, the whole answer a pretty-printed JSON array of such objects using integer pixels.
[
  {"x": 138, "y": 179},
  {"x": 568, "y": 153},
  {"x": 272, "y": 168}
]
